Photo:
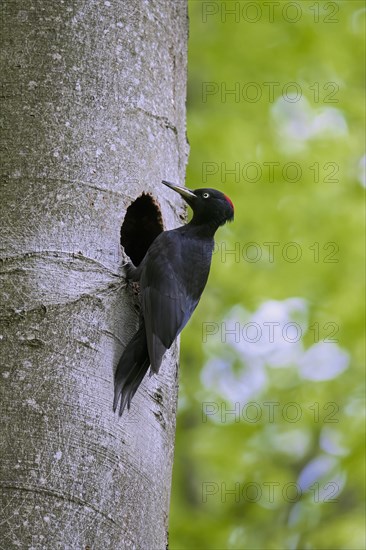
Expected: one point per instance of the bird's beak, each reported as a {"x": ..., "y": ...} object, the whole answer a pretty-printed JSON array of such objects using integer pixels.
[{"x": 187, "y": 195}]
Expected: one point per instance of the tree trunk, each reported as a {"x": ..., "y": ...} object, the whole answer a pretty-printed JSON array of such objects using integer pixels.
[{"x": 93, "y": 114}]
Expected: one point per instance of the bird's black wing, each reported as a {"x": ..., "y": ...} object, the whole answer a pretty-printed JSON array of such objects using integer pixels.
[{"x": 166, "y": 292}]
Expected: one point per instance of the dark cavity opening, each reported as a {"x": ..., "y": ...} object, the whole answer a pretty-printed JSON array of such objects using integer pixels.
[{"x": 142, "y": 224}]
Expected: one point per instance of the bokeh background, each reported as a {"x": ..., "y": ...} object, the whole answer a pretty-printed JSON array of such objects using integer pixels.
[{"x": 270, "y": 429}]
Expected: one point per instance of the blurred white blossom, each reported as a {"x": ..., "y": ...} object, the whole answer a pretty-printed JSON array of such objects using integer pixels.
[
  {"x": 323, "y": 361},
  {"x": 297, "y": 122},
  {"x": 245, "y": 345}
]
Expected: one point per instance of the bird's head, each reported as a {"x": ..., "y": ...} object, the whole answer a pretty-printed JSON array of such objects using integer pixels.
[{"x": 208, "y": 205}]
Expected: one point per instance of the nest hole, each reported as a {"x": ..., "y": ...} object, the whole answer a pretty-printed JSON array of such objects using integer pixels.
[{"x": 142, "y": 224}]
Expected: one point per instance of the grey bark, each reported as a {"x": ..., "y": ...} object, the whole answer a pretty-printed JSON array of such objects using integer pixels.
[{"x": 93, "y": 113}]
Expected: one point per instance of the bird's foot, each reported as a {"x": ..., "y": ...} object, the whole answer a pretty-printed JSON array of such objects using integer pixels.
[{"x": 132, "y": 273}]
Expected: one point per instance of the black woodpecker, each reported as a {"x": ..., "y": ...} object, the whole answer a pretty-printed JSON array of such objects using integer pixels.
[{"x": 172, "y": 277}]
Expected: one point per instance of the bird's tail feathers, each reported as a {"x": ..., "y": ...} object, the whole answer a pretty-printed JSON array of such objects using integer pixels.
[
  {"x": 156, "y": 352},
  {"x": 131, "y": 370}
]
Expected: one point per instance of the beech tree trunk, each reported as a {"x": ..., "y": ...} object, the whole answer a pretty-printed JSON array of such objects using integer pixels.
[{"x": 93, "y": 115}]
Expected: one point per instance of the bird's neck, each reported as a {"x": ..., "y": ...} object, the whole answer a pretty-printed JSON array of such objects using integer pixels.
[{"x": 205, "y": 230}]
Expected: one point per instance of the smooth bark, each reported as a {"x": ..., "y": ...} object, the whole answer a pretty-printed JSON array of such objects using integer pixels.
[{"x": 93, "y": 103}]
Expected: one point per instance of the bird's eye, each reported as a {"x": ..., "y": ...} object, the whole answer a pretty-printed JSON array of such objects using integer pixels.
[{"x": 205, "y": 195}]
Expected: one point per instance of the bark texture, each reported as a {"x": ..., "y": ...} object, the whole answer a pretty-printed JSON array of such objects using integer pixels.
[{"x": 93, "y": 114}]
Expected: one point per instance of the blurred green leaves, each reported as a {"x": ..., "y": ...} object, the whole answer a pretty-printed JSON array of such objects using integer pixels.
[{"x": 276, "y": 121}]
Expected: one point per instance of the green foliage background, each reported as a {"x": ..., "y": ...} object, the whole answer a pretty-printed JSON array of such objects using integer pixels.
[{"x": 221, "y": 452}]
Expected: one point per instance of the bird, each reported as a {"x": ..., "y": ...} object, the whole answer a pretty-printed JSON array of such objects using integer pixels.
[{"x": 172, "y": 277}]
